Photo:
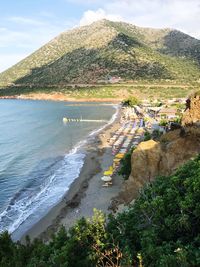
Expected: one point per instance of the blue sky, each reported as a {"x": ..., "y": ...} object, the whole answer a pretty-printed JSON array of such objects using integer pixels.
[{"x": 25, "y": 25}]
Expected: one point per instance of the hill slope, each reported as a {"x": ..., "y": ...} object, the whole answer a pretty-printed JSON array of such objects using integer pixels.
[{"x": 103, "y": 49}]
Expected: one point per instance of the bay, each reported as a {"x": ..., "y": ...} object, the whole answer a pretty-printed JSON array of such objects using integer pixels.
[{"x": 40, "y": 156}]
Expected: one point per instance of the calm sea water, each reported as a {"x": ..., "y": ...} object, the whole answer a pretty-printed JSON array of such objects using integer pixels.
[{"x": 40, "y": 156}]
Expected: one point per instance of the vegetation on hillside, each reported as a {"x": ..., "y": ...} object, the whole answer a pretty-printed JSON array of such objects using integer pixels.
[
  {"x": 96, "y": 53},
  {"x": 162, "y": 228},
  {"x": 141, "y": 90}
]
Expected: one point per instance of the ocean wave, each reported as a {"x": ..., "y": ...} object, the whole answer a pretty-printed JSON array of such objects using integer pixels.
[
  {"x": 31, "y": 200},
  {"x": 48, "y": 187}
]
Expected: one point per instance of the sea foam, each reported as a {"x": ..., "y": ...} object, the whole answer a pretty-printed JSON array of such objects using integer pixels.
[{"x": 29, "y": 205}]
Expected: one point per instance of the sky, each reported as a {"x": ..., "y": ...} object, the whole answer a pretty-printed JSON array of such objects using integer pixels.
[{"x": 26, "y": 25}]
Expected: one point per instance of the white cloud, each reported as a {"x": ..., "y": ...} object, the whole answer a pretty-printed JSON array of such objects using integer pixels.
[
  {"x": 85, "y": 2},
  {"x": 179, "y": 14},
  {"x": 25, "y": 34},
  {"x": 91, "y": 16}
]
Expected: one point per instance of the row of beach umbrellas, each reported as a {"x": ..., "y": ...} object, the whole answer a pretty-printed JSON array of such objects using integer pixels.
[{"x": 121, "y": 141}]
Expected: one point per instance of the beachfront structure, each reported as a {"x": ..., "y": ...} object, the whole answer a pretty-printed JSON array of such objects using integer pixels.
[
  {"x": 169, "y": 113},
  {"x": 176, "y": 100},
  {"x": 114, "y": 79},
  {"x": 129, "y": 135}
]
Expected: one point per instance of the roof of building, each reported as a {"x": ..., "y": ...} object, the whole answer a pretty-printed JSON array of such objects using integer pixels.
[
  {"x": 168, "y": 111},
  {"x": 156, "y": 109}
]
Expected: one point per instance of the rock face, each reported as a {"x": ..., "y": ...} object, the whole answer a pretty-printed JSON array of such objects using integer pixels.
[
  {"x": 151, "y": 158},
  {"x": 192, "y": 113}
]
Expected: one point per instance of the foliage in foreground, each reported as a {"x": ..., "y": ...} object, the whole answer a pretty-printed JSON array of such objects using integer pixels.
[{"x": 162, "y": 228}]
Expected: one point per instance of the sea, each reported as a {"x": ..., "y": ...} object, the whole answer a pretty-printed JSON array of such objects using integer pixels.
[{"x": 40, "y": 156}]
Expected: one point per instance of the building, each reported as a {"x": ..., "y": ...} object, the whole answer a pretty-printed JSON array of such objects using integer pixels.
[
  {"x": 169, "y": 113},
  {"x": 115, "y": 79}
]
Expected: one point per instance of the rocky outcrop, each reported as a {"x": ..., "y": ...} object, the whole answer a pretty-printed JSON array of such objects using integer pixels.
[
  {"x": 192, "y": 114},
  {"x": 151, "y": 159}
]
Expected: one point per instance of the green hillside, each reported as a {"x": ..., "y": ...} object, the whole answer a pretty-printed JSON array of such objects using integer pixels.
[{"x": 94, "y": 53}]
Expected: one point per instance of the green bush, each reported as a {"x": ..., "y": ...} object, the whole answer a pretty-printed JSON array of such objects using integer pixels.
[
  {"x": 163, "y": 122},
  {"x": 161, "y": 228},
  {"x": 131, "y": 102},
  {"x": 177, "y": 120},
  {"x": 163, "y": 225},
  {"x": 125, "y": 169},
  {"x": 147, "y": 136},
  {"x": 156, "y": 134}
]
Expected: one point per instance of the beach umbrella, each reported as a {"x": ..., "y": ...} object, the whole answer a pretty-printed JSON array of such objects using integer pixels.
[
  {"x": 106, "y": 178},
  {"x": 108, "y": 173},
  {"x": 116, "y": 160},
  {"x": 119, "y": 156}
]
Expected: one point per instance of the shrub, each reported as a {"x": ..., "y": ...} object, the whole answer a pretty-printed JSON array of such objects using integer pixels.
[
  {"x": 147, "y": 136},
  {"x": 163, "y": 224},
  {"x": 131, "y": 102},
  {"x": 156, "y": 134},
  {"x": 161, "y": 228},
  {"x": 125, "y": 169},
  {"x": 163, "y": 122}
]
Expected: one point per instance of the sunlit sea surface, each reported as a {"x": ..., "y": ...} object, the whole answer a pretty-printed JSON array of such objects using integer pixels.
[{"x": 40, "y": 156}]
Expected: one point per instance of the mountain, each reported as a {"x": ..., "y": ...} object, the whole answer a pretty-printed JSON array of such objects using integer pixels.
[{"x": 94, "y": 53}]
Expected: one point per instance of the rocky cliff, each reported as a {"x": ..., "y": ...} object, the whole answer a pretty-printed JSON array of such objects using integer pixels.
[
  {"x": 151, "y": 158},
  {"x": 192, "y": 113}
]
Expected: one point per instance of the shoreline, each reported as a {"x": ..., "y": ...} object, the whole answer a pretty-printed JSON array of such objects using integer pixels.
[
  {"x": 86, "y": 191},
  {"x": 60, "y": 97}
]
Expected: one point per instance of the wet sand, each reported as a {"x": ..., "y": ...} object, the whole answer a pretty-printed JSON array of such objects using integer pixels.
[{"x": 86, "y": 192}]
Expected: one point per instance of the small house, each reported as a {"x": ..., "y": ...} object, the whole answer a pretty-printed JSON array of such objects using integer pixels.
[
  {"x": 114, "y": 79},
  {"x": 169, "y": 113}
]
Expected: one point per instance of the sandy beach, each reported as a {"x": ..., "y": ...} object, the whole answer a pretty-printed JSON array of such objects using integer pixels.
[{"x": 86, "y": 192}]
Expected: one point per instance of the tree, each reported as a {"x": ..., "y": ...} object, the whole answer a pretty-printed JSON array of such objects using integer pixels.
[
  {"x": 163, "y": 122},
  {"x": 131, "y": 102},
  {"x": 161, "y": 228},
  {"x": 125, "y": 169},
  {"x": 147, "y": 136},
  {"x": 163, "y": 224}
]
